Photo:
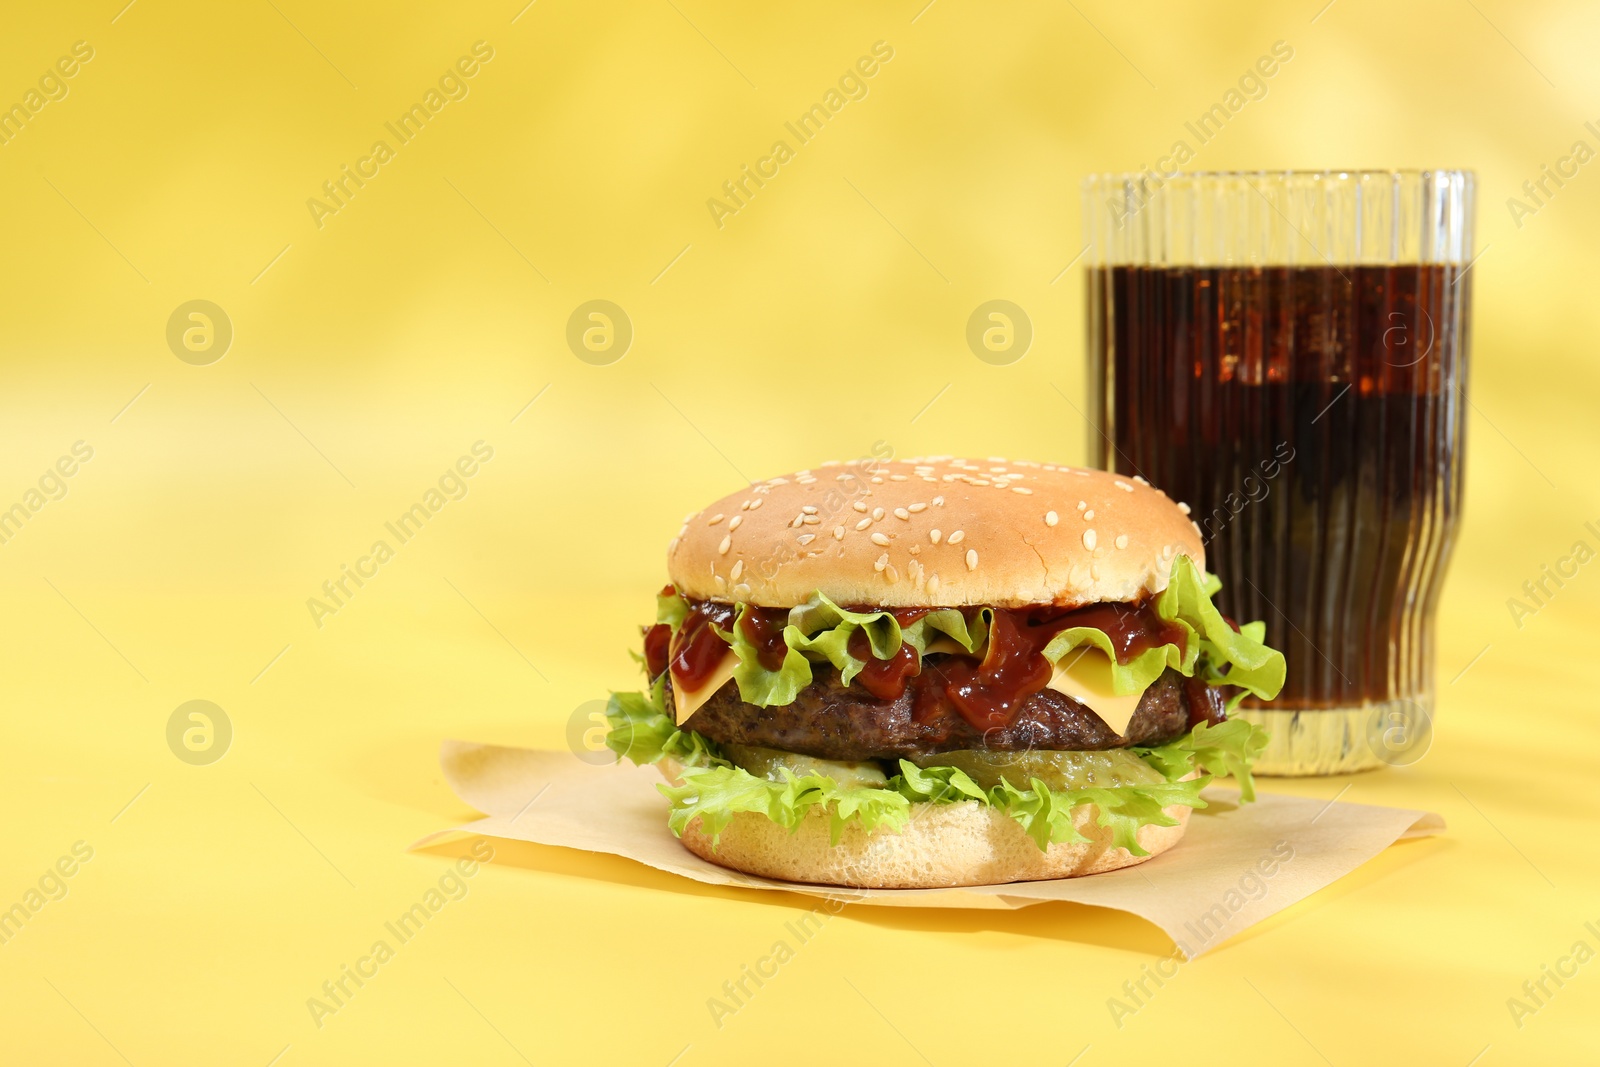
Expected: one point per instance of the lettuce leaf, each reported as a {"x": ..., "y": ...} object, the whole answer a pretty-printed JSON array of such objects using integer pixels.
[
  {"x": 1046, "y": 814},
  {"x": 1135, "y": 676},
  {"x": 1230, "y": 748},
  {"x": 758, "y": 685},
  {"x": 714, "y": 790},
  {"x": 715, "y": 794},
  {"x": 1232, "y": 657},
  {"x": 671, "y": 609},
  {"x": 642, "y": 731}
]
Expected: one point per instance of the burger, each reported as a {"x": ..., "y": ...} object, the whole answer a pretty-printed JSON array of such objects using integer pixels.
[{"x": 940, "y": 672}]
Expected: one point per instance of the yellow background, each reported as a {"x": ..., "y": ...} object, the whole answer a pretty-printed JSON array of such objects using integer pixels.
[{"x": 823, "y": 317}]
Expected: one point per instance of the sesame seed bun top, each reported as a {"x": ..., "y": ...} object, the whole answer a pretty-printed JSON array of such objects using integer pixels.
[{"x": 935, "y": 532}]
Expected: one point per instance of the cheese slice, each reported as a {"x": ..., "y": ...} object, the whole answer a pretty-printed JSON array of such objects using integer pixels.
[
  {"x": 1085, "y": 675},
  {"x": 686, "y": 703}
]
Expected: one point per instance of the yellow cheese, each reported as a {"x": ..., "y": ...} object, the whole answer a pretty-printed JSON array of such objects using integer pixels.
[
  {"x": 685, "y": 703},
  {"x": 1085, "y": 675}
]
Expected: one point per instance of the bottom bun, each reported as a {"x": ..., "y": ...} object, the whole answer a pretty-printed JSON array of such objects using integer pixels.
[{"x": 942, "y": 845}]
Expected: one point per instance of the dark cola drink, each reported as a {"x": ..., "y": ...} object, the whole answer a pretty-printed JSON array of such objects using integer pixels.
[{"x": 1312, "y": 419}]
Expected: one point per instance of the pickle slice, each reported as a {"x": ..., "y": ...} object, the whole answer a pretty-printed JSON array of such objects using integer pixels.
[
  {"x": 768, "y": 763},
  {"x": 1058, "y": 770}
]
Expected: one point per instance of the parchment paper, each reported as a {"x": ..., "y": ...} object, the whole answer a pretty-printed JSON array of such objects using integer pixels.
[{"x": 1235, "y": 866}]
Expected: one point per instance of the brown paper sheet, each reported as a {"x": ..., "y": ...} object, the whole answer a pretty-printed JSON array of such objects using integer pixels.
[{"x": 1235, "y": 866}]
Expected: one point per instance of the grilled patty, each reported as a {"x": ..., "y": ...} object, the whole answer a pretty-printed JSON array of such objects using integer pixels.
[{"x": 840, "y": 722}]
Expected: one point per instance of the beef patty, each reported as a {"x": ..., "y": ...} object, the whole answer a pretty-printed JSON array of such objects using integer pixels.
[{"x": 845, "y": 722}]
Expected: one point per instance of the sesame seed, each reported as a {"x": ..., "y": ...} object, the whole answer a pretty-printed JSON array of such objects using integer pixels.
[
  {"x": 897, "y": 477},
  {"x": 902, "y": 514},
  {"x": 858, "y": 505},
  {"x": 733, "y": 523},
  {"x": 933, "y": 535},
  {"x": 727, "y": 543},
  {"x": 838, "y": 533},
  {"x": 863, "y": 524},
  {"x": 756, "y": 503},
  {"x": 1166, "y": 550},
  {"x": 955, "y": 538},
  {"x": 938, "y": 501},
  {"x": 1082, "y": 504},
  {"x": 972, "y": 559},
  {"x": 738, "y": 569},
  {"x": 795, "y": 522},
  {"x": 1140, "y": 480},
  {"x": 742, "y": 590},
  {"x": 1051, "y": 518},
  {"x": 890, "y": 573},
  {"x": 876, "y": 481},
  {"x": 933, "y": 584},
  {"x": 811, "y": 520},
  {"x": 915, "y": 508},
  {"x": 808, "y": 510},
  {"x": 806, "y": 539},
  {"x": 745, "y": 506},
  {"x": 1124, "y": 486},
  {"x": 1020, "y": 489},
  {"x": 1094, "y": 571},
  {"x": 1183, "y": 507},
  {"x": 1087, "y": 515},
  {"x": 1122, "y": 541},
  {"x": 1089, "y": 539},
  {"x": 877, "y": 513},
  {"x": 878, "y": 538},
  {"x": 722, "y": 586},
  {"x": 715, "y": 519},
  {"x": 916, "y": 549},
  {"x": 881, "y": 562}
]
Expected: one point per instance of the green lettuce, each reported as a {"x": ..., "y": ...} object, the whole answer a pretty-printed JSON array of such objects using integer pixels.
[
  {"x": 642, "y": 731},
  {"x": 671, "y": 609},
  {"x": 823, "y": 629},
  {"x": 1236, "y": 657},
  {"x": 713, "y": 790},
  {"x": 1229, "y": 747},
  {"x": 715, "y": 794}
]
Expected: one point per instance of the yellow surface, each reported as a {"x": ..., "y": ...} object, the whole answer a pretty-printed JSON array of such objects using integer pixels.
[{"x": 827, "y": 314}]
